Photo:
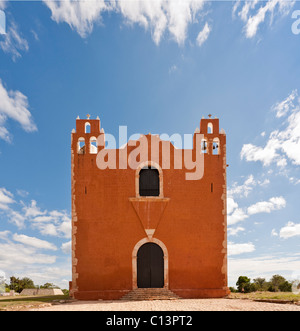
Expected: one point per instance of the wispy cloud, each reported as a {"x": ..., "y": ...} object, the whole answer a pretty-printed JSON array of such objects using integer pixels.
[
  {"x": 66, "y": 247},
  {"x": 244, "y": 189},
  {"x": 6, "y": 198},
  {"x": 49, "y": 223},
  {"x": 254, "y": 13},
  {"x": 158, "y": 16},
  {"x": 13, "y": 43},
  {"x": 203, "y": 34},
  {"x": 283, "y": 143},
  {"x": 236, "y": 249},
  {"x": 14, "y": 105},
  {"x": 275, "y": 203},
  {"x": 236, "y": 214},
  {"x": 16, "y": 256},
  {"x": 34, "y": 242}
]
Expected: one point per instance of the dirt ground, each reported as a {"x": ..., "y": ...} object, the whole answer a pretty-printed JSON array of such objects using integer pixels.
[{"x": 172, "y": 305}]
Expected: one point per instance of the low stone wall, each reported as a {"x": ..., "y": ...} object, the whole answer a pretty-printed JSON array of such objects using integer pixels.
[{"x": 34, "y": 291}]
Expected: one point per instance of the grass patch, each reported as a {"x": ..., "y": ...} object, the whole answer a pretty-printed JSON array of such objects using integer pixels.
[
  {"x": 282, "y": 296},
  {"x": 27, "y": 302}
]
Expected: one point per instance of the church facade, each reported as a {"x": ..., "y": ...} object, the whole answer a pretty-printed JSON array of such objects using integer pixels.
[{"x": 148, "y": 215}]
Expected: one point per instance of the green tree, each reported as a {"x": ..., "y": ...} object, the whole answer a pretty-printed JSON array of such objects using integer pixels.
[
  {"x": 260, "y": 283},
  {"x": 276, "y": 281},
  {"x": 253, "y": 287},
  {"x": 243, "y": 284},
  {"x": 232, "y": 289},
  {"x": 27, "y": 283},
  {"x": 49, "y": 285},
  {"x": 285, "y": 287},
  {"x": 18, "y": 285},
  {"x": 14, "y": 284}
]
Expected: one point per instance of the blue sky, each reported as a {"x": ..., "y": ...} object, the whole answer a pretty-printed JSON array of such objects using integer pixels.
[{"x": 155, "y": 66}]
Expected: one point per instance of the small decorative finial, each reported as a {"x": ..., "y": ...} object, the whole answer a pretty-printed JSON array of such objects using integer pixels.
[
  {"x": 209, "y": 115},
  {"x": 88, "y": 116}
]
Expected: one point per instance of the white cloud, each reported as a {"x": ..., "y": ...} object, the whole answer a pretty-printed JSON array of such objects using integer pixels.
[
  {"x": 41, "y": 219},
  {"x": 32, "y": 210},
  {"x": 246, "y": 187},
  {"x": 262, "y": 266},
  {"x": 52, "y": 223},
  {"x": 284, "y": 107},
  {"x": 6, "y": 198},
  {"x": 34, "y": 242},
  {"x": 238, "y": 215},
  {"x": 231, "y": 205},
  {"x": 16, "y": 218},
  {"x": 46, "y": 229},
  {"x": 236, "y": 249},
  {"x": 80, "y": 15},
  {"x": 158, "y": 16},
  {"x": 66, "y": 247},
  {"x": 20, "y": 254},
  {"x": 254, "y": 21},
  {"x": 294, "y": 181},
  {"x": 274, "y": 203},
  {"x": 203, "y": 34},
  {"x": 266, "y": 155},
  {"x": 282, "y": 163},
  {"x": 274, "y": 233},
  {"x": 290, "y": 230},
  {"x": 283, "y": 143},
  {"x": 58, "y": 275},
  {"x": 4, "y": 235},
  {"x": 14, "y": 105},
  {"x": 17, "y": 256},
  {"x": 254, "y": 13},
  {"x": 235, "y": 231},
  {"x": 65, "y": 228},
  {"x": 13, "y": 43}
]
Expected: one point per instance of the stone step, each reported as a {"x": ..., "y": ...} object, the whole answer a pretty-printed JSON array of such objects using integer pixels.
[{"x": 150, "y": 294}]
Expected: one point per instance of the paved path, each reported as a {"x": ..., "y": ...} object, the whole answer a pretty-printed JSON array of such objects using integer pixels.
[{"x": 173, "y": 305}]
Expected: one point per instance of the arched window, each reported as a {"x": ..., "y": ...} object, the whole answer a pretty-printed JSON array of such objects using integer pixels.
[
  {"x": 81, "y": 146},
  {"x": 87, "y": 127},
  {"x": 93, "y": 145},
  {"x": 216, "y": 146},
  {"x": 149, "y": 181},
  {"x": 209, "y": 128}
]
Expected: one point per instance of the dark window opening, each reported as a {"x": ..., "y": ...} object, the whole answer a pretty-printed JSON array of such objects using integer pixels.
[{"x": 149, "y": 182}]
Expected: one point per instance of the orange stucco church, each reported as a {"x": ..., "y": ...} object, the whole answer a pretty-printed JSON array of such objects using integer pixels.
[{"x": 152, "y": 219}]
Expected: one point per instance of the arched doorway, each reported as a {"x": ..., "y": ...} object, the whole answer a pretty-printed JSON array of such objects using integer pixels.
[{"x": 150, "y": 266}]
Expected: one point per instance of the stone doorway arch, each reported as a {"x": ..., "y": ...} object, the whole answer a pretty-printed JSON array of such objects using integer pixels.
[{"x": 165, "y": 258}]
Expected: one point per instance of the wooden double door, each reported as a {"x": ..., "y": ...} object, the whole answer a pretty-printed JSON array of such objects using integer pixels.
[{"x": 150, "y": 266}]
